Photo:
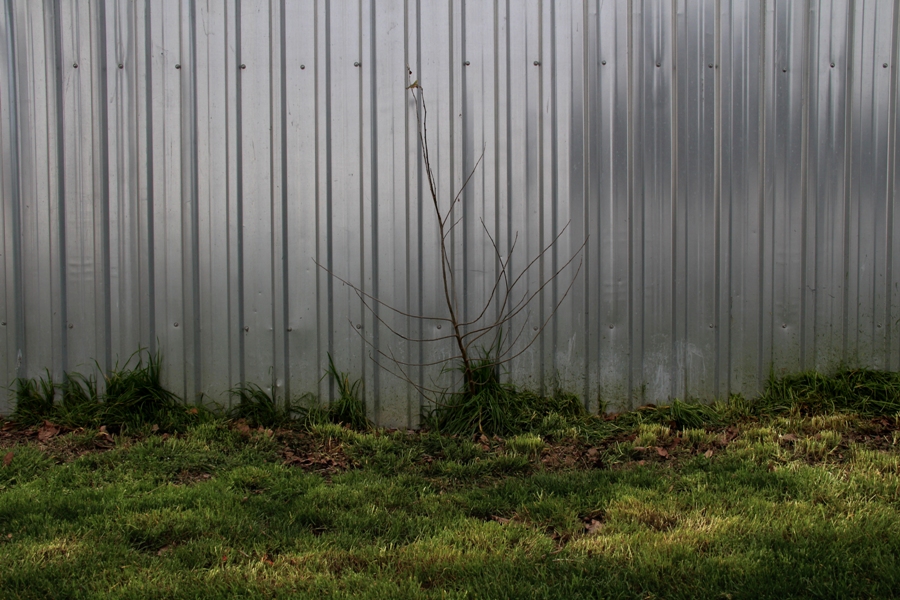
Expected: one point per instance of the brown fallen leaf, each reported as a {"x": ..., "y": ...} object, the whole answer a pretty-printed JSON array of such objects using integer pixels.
[
  {"x": 500, "y": 520},
  {"x": 790, "y": 437},
  {"x": 639, "y": 448},
  {"x": 7, "y": 459},
  {"x": 662, "y": 452},
  {"x": 155, "y": 428},
  {"x": 47, "y": 431},
  {"x": 708, "y": 453},
  {"x": 593, "y": 527}
]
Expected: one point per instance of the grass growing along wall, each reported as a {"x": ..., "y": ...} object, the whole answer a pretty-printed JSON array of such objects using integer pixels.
[{"x": 133, "y": 396}]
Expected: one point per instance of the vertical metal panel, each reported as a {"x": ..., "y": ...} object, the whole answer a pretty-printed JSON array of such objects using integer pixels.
[
  {"x": 10, "y": 326},
  {"x": 123, "y": 128},
  {"x": 697, "y": 201},
  {"x": 872, "y": 99},
  {"x": 731, "y": 164},
  {"x": 743, "y": 79},
  {"x": 608, "y": 259},
  {"x": 38, "y": 223},
  {"x": 215, "y": 210},
  {"x": 302, "y": 220},
  {"x": 785, "y": 156},
  {"x": 386, "y": 167},
  {"x": 656, "y": 345},
  {"x": 255, "y": 164},
  {"x": 830, "y": 73}
]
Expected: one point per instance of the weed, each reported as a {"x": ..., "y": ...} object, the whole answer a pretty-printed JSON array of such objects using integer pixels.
[
  {"x": 498, "y": 408},
  {"x": 528, "y": 445},
  {"x": 136, "y": 397},
  {"x": 860, "y": 391},
  {"x": 348, "y": 409},
  {"x": 132, "y": 398},
  {"x": 760, "y": 435},
  {"x": 819, "y": 446},
  {"x": 880, "y": 462},
  {"x": 258, "y": 407},
  {"x": 34, "y": 400},
  {"x": 697, "y": 437},
  {"x": 648, "y": 434},
  {"x": 680, "y": 414}
]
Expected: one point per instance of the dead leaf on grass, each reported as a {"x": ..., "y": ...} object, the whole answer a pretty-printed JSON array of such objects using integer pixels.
[
  {"x": 7, "y": 459},
  {"x": 708, "y": 453},
  {"x": 790, "y": 437},
  {"x": 662, "y": 452},
  {"x": 593, "y": 527},
  {"x": 500, "y": 520},
  {"x": 48, "y": 430}
]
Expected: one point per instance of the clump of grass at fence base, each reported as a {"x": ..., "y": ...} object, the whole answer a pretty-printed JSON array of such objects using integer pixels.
[
  {"x": 497, "y": 407},
  {"x": 262, "y": 409},
  {"x": 348, "y": 409},
  {"x": 259, "y": 408},
  {"x": 132, "y": 397},
  {"x": 865, "y": 392}
]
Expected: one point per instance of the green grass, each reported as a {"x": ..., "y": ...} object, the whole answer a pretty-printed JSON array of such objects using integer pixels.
[
  {"x": 791, "y": 496},
  {"x": 794, "y": 506}
]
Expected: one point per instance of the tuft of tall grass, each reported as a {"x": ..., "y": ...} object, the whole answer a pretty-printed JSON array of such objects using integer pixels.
[
  {"x": 683, "y": 415},
  {"x": 348, "y": 409},
  {"x": 136, "y": 397},
  {"x": 132, "y": 398},
  {"x": 498, "y": 408},
  {"x": 34, "y": 399},
  {"x": 862, "y": 391},
  {"x": 258, "y": 407}
]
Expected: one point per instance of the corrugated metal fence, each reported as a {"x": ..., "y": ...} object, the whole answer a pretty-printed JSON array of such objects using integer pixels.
[{"x": 172, "y": 168}]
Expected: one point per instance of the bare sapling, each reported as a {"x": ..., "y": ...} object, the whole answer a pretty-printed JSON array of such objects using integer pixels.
[{"x": 487, "y": 342}]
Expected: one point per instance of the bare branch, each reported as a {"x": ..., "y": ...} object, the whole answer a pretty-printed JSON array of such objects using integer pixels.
[
  {"x": 542, "y": 327},
  {"x": 500, "y": 277},
  {"x": 373, "y": 298},
  {"x": 465, "y": 183},
  {"x": 527, "y": 300},
  {"x": 392, "y": 330}
]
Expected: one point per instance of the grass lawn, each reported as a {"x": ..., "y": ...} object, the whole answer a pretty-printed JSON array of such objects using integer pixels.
[{"x": 789, "y": 505}]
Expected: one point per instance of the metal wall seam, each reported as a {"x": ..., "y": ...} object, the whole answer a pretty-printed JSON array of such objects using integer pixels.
[{"x": 892, "y": 346}]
